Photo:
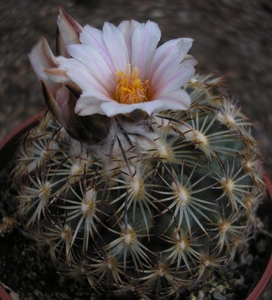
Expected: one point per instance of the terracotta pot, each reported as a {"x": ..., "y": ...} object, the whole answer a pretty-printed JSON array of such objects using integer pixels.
[
  {"x": 7, "y": 149},
  {"x": 256, "y": 292},
  {"x": 8, "y": 145},
  {"x": 4, "y": 295}
]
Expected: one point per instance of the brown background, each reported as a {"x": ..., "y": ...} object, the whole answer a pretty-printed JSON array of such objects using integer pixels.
[{"x": 232, "y": 37}]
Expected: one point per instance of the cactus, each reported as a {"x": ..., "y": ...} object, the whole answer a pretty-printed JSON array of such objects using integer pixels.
[{"x": 137, "y": 201}]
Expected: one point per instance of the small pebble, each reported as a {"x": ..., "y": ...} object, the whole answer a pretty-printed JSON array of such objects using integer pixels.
[
  {"x": 192, "y": 297},
  {"x": 249, "y": 259},
  {"x": 240, "y": 281},
  {"x": 201, "y": 295},
  {"x": 261, "y": 246},
  {"x": 218, "y": 296},
  {"x": 220, "y": 288}
]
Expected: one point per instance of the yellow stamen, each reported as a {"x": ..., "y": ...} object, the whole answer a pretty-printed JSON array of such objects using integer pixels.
[{"x": 130, "y": 88}]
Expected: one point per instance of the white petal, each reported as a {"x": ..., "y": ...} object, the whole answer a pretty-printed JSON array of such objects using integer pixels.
[
  {"x": 160, "y": 55},
  {"x": 95, "y": 63},
  {"x": 127, "y": 29},
  {"x": 144, "y": 42},
  {"x": 57, "y": 75},
  {"x": 65, "y": 108},
  {"x": 84, "y": 79},
  {"x": 62, "y": 97},
  {"x": 96, "y": 94},
  {"x": 41, "y": 57},
  {"x": 94, "y": 37},
  {"x": 167, "y": 66},
  {"x": 177, "y": 78},
  {"x": 152, "y": 106},
  {"x": 116, "y": 46},
  {"x": 88, "y": 105},
  {"x": 184, "y": 45},
  {"x": 114, "y": 108},
  {"x": 68, "y": 31},
  {"x": 176, "y": 100},
  {"x": 166, "y": 58}
]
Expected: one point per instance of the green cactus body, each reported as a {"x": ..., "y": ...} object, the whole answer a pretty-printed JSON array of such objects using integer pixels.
[{"x": 153, "y": 206}]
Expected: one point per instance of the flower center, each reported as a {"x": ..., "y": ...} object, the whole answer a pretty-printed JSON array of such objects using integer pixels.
[{"x": 130, "y": 88}]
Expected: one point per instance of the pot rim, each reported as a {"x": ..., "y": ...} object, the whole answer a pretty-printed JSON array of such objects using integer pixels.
[
  {"x": 21, "y": 129},
  {"x": 14, "y": 136},
  {"x": 259, "y": 287},
  {"x": 4, "y": 295}
]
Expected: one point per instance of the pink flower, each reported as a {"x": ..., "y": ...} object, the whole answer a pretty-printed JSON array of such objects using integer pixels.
[{"x": 115, "y": 70}]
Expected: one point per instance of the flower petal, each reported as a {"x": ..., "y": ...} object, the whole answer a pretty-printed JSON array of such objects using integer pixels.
[
  {"x": 95, "y": 63},
  {"x": 127, "y": 29},
  {"x": 41, "y": 57},
  {"x": 81, "y": 76},
  {"x": 83, "y": 107},
  {"x": 144, "y": 42},
  {"x": 167, "y": 57},
  {"x": 94, "y": 37},
  {"x": 116, "y": 46},
  {"x": 161, "y": 54},
  {"x": 68, "y": 32},
  {"x": 113, "y": 108},
  {"x": 57, "y": 75},
  {"x": 176, "y": 100},
  {"x": 184, "y": 45},
  {"x": 176, "y": 79}
]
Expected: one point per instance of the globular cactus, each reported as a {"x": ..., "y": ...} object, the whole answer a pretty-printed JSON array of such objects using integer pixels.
[{"x": 136, "y": 199}]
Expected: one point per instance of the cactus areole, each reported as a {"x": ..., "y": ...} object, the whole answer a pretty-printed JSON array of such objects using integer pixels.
[{"x": 142, "y": 176}]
